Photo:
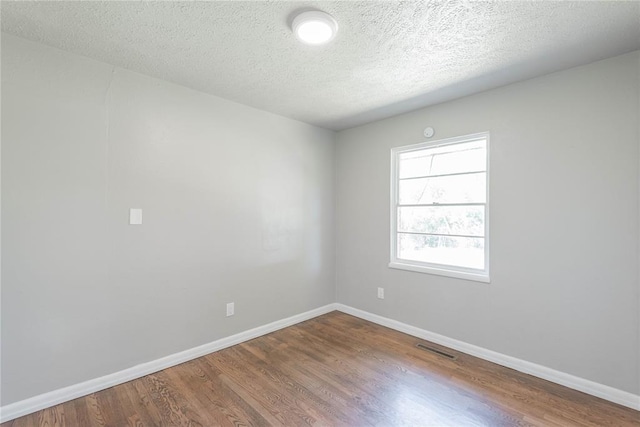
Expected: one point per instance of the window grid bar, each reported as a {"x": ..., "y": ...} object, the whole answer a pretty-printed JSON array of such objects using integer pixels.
[
  {"x": 441, "y": 204},
  {"x": 435, "y": 147},
  {"x": 442, "y": 175},
  {"x": 440, "y": 235}
]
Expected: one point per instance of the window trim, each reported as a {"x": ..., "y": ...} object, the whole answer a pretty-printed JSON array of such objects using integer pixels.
[{"x": 432, "y": 268}]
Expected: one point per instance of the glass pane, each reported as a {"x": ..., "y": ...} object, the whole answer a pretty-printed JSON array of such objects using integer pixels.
[
  {"x": 455, "y": 158},
  {"x": 455, "y": 251},
  {"x": 464, "y": 220},
  {"x": 470, "y": 188}
]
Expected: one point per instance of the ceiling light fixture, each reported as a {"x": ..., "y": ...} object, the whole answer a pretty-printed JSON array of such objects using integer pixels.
[{"x": 314, "y": 27}]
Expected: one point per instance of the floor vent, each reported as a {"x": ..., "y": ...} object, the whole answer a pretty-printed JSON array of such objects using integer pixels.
[{"x": 436, "y": 351}]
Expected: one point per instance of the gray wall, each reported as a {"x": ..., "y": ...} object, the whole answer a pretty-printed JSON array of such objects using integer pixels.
[
  {"x": 237, "y": 204},
  {"x": 564, "y": 287}
]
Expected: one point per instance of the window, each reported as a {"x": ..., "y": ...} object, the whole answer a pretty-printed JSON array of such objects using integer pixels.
[{"x": 440, "y": 207}]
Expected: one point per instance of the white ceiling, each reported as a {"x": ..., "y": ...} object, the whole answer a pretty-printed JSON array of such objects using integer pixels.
[{"x": 388, "y": 57}]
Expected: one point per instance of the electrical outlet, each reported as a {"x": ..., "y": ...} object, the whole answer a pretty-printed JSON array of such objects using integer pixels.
[
  {"x": 380, "y": 293},
  {"x": 231, "y": 309}
]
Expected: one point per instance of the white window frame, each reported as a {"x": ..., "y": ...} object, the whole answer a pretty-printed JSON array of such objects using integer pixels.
[{"x": 432, "y": 268}]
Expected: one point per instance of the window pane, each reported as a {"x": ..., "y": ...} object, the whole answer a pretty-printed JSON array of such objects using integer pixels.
[
  {"x": 445, "y": 189},
  {"x": 465, "y": 157},
  {"x": 455, "y": 251},
  {"x": 464, "y": 220}
]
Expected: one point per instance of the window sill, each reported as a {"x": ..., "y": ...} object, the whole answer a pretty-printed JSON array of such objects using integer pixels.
[{"x": 476, "y": 277}]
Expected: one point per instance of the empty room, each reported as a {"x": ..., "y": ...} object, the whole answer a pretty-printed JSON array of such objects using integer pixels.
[{"x": 329, "y": 213}]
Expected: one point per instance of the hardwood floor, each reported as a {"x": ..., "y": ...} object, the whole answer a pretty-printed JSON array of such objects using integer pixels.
[{"x": 335, "y": 370}]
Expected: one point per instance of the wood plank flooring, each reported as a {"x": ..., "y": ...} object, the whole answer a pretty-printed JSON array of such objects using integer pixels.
[{"x": 335, "y": 370}]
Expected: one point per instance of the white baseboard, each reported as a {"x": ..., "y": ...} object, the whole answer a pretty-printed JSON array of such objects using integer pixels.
[
  {"x": 52, "y": 398},
  {"x": 586, "y": 386},
  {"x": 46, "y": 400}
]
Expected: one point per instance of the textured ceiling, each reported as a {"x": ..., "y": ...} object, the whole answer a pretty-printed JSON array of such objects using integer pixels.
[{"x": 388, "y": 57}]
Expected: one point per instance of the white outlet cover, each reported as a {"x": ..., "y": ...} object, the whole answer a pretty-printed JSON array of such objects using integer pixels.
[{"x": 230, "y": 309}]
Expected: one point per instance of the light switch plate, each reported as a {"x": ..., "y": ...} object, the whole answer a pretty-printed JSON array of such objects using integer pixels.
[{"x": 135, "y": 216}]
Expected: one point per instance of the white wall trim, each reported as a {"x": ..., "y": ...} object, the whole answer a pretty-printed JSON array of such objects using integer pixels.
[
  {"x": 46, "y": 400},
  {"x": 586, "y": 386},
  {"x": 55, "y": 397}
]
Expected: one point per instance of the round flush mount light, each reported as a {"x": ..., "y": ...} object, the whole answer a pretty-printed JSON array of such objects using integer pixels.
[{"x": 314, "y": 27}]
